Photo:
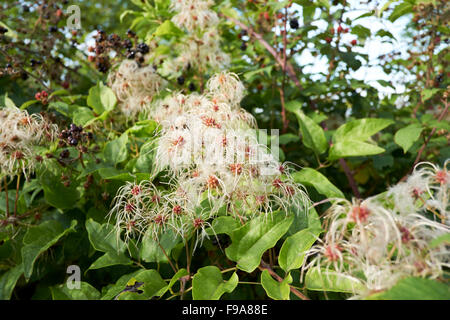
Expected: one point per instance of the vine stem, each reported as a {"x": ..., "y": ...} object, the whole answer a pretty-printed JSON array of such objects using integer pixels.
[
  {"x": 170, "y": 261},
  {"x": 264, "y": 266},
  {"x": 350, "y": 178},
  {"x": 6, "y": 194},
  {"x": 286, "y": 67},
  {"x": 17, "y": 195}
]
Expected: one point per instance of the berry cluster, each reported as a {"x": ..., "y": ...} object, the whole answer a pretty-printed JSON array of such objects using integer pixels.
[
  {"x": 42, "y": 97},
  {"x": 129, "y": 48},
  {"x": 74, "y": 136}
]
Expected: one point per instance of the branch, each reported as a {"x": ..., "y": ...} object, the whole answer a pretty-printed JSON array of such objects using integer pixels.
[
  {"x": 265, "y": 266},
  {"x": 286, "y": 67},
  {"x": 350, "y": 178}
]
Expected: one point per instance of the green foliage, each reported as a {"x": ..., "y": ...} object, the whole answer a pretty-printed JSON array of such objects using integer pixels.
[
  {"x": 415, "y": 289},
  {"x": 274, "y": 289},
  {"x": 208, "y": 284},
  {"x": 251, "y": 240},
  {"x": 304, "y": 80}
]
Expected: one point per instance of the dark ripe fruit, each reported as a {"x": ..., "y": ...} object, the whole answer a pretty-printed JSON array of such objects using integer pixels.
[
  {"x": 65, "y": 84},
  {"x": 73, "y": 127},
  {"x": 25, "y": 8},
  {"x": 180, "y": 80},
  {"x": 90, "y": 135},
  {"x": 53, "y": 29},
  {"x": 243, "y": 46},
  {"x": 127, "y": 44},
  {"x": 131, "y": 33},
  {"x": 293, "y": 23},
  {"x": 64, "y": 154},
  {"x": 143, "y": 48},
  {"x": 192, "y": 86},
  {"x": 99, "y": 49},
  {"x": 73, "y": 141},
  {"x": 24, "y": 76},
  {"x": 131, "y": 54},
  {"x": 64, "y": 134}
]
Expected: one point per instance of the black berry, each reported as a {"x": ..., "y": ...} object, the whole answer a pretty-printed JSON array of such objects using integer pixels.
[
  {"x": 180, "y": 80},
  {"x": 143, "y": 48},
  {"x": 294, "y": 23}
]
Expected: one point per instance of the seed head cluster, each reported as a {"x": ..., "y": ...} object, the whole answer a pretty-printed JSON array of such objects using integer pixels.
[
  {"x": 134, "y": 86},
  {"x": 380, "y": 240},
  {"x": 21, "y": 136},
  {"x": 209, "y": 150},
  {"x": 200, "y": 48}
]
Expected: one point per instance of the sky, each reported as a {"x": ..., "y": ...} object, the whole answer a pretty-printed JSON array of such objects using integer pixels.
[{"x": 372, "y": 47}]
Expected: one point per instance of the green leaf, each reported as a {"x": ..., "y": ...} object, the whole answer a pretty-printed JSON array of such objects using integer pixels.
[
  {"x": 8, "y": 281},
  {"x": 27, "y": 104},
  {"x": 82, "y": 116},
  {"x": 415, "y": 289},
  {"x": 326, "y": 280},
  {"x": 113, "y": 290},
  {"x": 274, "y": 289},
  {"x": 353, "y": 148},
  {"x": 288, "y": 138},
  {"x": 7, "y": 102},
  {"x": 311, "y": 177},
  {"x": 401, "y": 9},
  {"x": 223, "y": 224},
  {"x": 361, "y": 31},
  {"x": 251, "y": 240},
  {"x": 208, "y": 284},
  {"x": 101, "y": 98},
  {"x": 38, "y": 239},
  {"x": 406, "y": 137},
  {"x": 153, "y": 285},
  {"x": 86, "y": 292},
  {"x": 360, "y": 129},
  {"x": 428, "y": 93},
  {"x": 152, "y": 252},
  {"x": 110, "y": 259},
  {"x": 443, "y": 239},
  {"x": 56, "y": 194},
  {"x": 64, "y": 108},
  {"x": 177, "y": 276},
  {"x": 168, "y": 29},
  {"x": 294, "y": 248},
  {"x": 116, "y": 150},
  {"x": 312, "y": 134},
  {"x": 103, "y": 237}
]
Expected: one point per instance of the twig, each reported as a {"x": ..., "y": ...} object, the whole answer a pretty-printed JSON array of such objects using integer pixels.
[
  {"x": 265, "y": 266},
  {"x": 350, "y": 178},
  {"x": 286, "y": 67},
  {"x": 6, "y": 194},
  {"x": 170, "y": 261},
  {"x": 17, "y": 195}
]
